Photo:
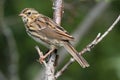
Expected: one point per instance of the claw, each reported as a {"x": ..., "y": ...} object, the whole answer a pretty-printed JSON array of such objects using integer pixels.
[{"x": 41, "y": 59}]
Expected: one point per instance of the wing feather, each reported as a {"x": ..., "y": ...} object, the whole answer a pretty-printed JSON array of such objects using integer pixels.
[{"x": 52, "y": 30}]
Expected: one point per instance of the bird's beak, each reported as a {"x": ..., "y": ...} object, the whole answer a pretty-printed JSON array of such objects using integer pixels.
[{"x": 21, "y": 14}]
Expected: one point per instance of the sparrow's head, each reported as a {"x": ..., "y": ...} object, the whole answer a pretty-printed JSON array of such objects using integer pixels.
[{"x": 28, "y": 14}]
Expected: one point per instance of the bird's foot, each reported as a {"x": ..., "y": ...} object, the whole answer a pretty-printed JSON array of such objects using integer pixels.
[{"x": 41, "y": 59}]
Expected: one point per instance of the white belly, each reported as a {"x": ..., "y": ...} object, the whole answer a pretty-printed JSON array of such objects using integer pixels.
[{"x": 48, "y": 41}]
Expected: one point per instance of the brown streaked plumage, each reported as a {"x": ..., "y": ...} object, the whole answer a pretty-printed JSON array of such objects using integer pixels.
[{"x": 44, "y": 30}]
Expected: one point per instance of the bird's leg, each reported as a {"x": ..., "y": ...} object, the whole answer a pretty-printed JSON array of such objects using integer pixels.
[{"x": 41, "y": 59}]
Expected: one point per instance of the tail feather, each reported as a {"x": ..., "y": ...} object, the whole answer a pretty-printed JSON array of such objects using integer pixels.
[{"x": 75, "y": 55}]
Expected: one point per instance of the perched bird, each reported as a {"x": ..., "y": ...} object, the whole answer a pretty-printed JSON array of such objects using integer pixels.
[{"x": 44, "y": 30}]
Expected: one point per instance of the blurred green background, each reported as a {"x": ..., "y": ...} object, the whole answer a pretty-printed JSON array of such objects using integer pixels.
[{"x": 18, "y": 57}]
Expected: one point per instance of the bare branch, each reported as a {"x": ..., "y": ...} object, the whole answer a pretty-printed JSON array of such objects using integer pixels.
[
  {"x": 85, "y": 25},
  {"x": 109, "y": 29},
  {"x": 58, "y": 11},
  {"x": 50, "y": 69},
  {"x": 90, "y": 46},
  {"x": 49, "y": 66},
  {"x": 60, "y": 72},
  {"x": 99, "y": 38},
  {"x": 82, "y": 29},
  {"x": 41, "y": 54}
]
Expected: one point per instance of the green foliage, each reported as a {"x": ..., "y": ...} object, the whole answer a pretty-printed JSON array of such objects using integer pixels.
[{"x": 104, "y": 58}]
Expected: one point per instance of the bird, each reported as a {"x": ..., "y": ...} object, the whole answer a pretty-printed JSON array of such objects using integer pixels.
[{"x": 47, "y": 32}]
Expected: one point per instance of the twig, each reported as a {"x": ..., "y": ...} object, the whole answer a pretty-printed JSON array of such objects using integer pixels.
[
  {"x": 85, "y": 25},
  {"x": 59, "y": 73},
  {"x": 90, "y": 46},
  {"x": 50, "y": 69},
  {"x": 49, "y": 66},
  {"x": 82, "y": 29},
  {"x": 58, "y": 11},
  {"x": 109, "y": 29},
  {"x": 99, "y": 38},
  {"x": 41, "y": 54}
]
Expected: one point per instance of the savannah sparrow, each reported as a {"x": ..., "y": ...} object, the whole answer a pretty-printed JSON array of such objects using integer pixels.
[{"x": 44, "y": 30}]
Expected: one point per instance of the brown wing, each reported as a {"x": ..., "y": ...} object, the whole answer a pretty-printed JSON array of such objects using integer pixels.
[{"x": 50, "y": 29}]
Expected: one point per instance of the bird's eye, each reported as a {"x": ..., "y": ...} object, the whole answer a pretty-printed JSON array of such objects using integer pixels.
[{"x": 29, "y": 13}]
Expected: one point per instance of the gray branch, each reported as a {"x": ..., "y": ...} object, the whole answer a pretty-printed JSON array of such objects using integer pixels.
[
  {"x": 82, "y": 29},
  {"x": 85, "y": 25},
  {"x": 50, "y": 65},
  {"x": 89, "y": 46}
]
